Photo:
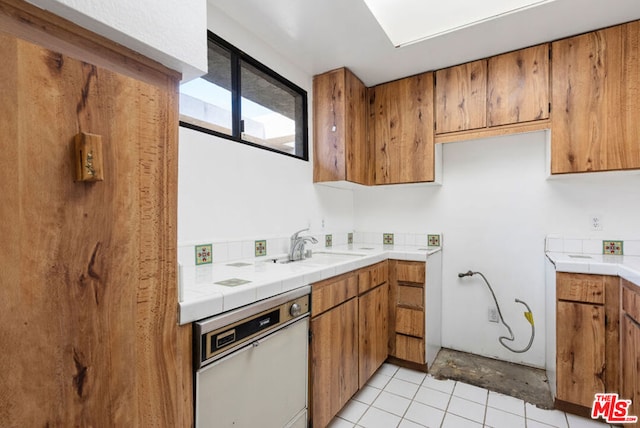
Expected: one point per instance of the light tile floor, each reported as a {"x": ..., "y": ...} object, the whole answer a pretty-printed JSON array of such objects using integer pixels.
[{"x": 403, "y": 398}]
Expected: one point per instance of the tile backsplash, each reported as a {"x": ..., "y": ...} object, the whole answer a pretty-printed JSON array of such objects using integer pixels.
[
  {"x": 628, "y": 246},
  {"x": 274, "y": 246}
]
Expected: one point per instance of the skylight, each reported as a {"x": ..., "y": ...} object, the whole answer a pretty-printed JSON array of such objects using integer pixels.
[{"x": 411, "y": 21}]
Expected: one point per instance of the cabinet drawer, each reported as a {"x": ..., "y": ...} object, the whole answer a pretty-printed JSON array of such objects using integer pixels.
[
  {"x": 411, "y": 297},
  {"x": 410, "y": 349},
  {"x": 333, "y": 291},
  {"x": 410, "y": 322},
  {"x": 630, "y": 300},
  {"x": 411, "y": 271},
  {"x": 372, "y": 276},
  {"x": 579, "y": 287}
]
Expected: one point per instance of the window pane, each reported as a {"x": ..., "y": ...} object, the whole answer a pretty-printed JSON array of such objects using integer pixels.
[
  {"x": 272, "y": 113},
  {"x": 206, "y": 101}
]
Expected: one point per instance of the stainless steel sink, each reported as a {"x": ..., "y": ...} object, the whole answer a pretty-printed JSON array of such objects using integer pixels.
[{"x": 322, "y": 258}]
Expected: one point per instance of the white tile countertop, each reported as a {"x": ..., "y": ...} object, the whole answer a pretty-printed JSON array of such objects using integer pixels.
[
  {"x": 627, "y": 267},
  {"x": 202, "y": 296}
]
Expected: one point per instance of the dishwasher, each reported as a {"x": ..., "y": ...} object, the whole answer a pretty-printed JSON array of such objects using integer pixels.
[{"x": 251, "y": 364}]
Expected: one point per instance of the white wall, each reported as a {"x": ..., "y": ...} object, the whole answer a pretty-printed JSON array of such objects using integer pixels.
[
  {"x": 172, "y": 32},
  {"x": 494, "y": 209},
  {"x": 228, "y": 190}
]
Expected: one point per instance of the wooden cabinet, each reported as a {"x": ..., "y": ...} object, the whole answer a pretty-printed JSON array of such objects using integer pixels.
[
  {"x": 88, "y": 290},
  {"x": 340, "y": 146},
  {"x": 401, "y": 130},
  {"x": 587, "y": 337},
  {"x": 334, "y": 361},
  {"x": 334, "y": 346},
  {"x": 507, "y": 89},
  {"x": 630, "y": 347},
  {"x": 518, "y": 86},
  {"x": 406, "y": 311},
  {"x": 461, "y": 97},
  {"x": 596, "y": 101},
  {"x": 349, "y": 330},
  {"x": 373, "y": 325}
]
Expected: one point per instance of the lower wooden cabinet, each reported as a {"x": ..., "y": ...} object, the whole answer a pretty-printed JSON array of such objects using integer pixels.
[
  {"x": 630, "y": 347},
  {"x": 349, "y": 336},
  {"x": 406, "y": 311},
  {"x": 334, "y": 361},
  {"x": 373, "y": 310},
  {"x": 587, "y": 337}
]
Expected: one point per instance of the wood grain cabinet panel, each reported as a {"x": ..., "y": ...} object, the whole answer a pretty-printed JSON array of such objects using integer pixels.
[
  {"x": 406, "y": 311},
  {"x": 410, "y": 322},
  {"x": 630, "y": 347},
  {"x": 334, "y": 361},
  {"x": 401, "y": 130},
  {"x": 373, "y": 327},
  {"x": 341, "y": 150},
  {"x": 518, "y": 86},
  {"x": 596, "y": 101},
  {"x": 580, "y": 351},
  {"x": 332, "y": 292},
  {"x": 410, "y": 349},
  {"x": 587, "y": 336},
  {"x": 461, "y": 97}
]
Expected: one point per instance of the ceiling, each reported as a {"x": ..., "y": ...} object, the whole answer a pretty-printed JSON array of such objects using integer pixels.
[{"x": 320, "y": 35}]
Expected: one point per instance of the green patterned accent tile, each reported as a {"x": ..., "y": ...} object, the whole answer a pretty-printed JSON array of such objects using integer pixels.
[
  {"x": 387, "y": 238},
  {"x": 433, "y": 240},
  {"x": 612, "y": 247},
  {"x": 261, "y": 248},
  {"x": 350, "y": 238},
  {"x": 204, "y": 254},
  {"x": 328, "y": 241}
]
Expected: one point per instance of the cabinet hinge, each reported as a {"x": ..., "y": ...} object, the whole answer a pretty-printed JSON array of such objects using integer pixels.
[
  {"x": 549, "y": 107},
  {"x": 310, "y": 336},
  {"x": 549, "y": 52}
]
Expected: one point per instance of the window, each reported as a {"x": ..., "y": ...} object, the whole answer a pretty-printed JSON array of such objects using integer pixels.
[{"x": 243, "y": 100}]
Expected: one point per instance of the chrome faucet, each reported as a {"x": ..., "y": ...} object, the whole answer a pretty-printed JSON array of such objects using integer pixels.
[{"x": 296, "y": 249}]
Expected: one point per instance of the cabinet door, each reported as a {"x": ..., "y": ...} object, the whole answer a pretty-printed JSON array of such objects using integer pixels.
[
  {"x": 630, "y": 363},
  {"x": 339, "y": 125},
  {"x": 334, "y": 361},
  {"x": 518, "y": 86},
  {"x": 461, "y": 97},
  {"x": 596, "y": 101},
  {"x": 580, "y": 351},
  {"x": 373, "y": 331},
  {"x": 402, "y": 114}
]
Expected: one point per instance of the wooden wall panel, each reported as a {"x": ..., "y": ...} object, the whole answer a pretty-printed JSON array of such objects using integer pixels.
[{"x": 88, "y": 294}]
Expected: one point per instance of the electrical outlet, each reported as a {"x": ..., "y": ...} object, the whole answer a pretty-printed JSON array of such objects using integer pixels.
[
  {"x": 493, "y": 314},
  {"x": 596, "y": 222}
]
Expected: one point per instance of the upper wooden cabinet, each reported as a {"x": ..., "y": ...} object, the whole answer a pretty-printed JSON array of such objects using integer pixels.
[
  {"x": 596, "y": 101},
  {"x": 461, "y": 97},
  {"x": 518, "y": 86},
  {"x": 340, "y": 128},
  {"x": 401, "y": 130},
  {"x": 502, "y": 90}
]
